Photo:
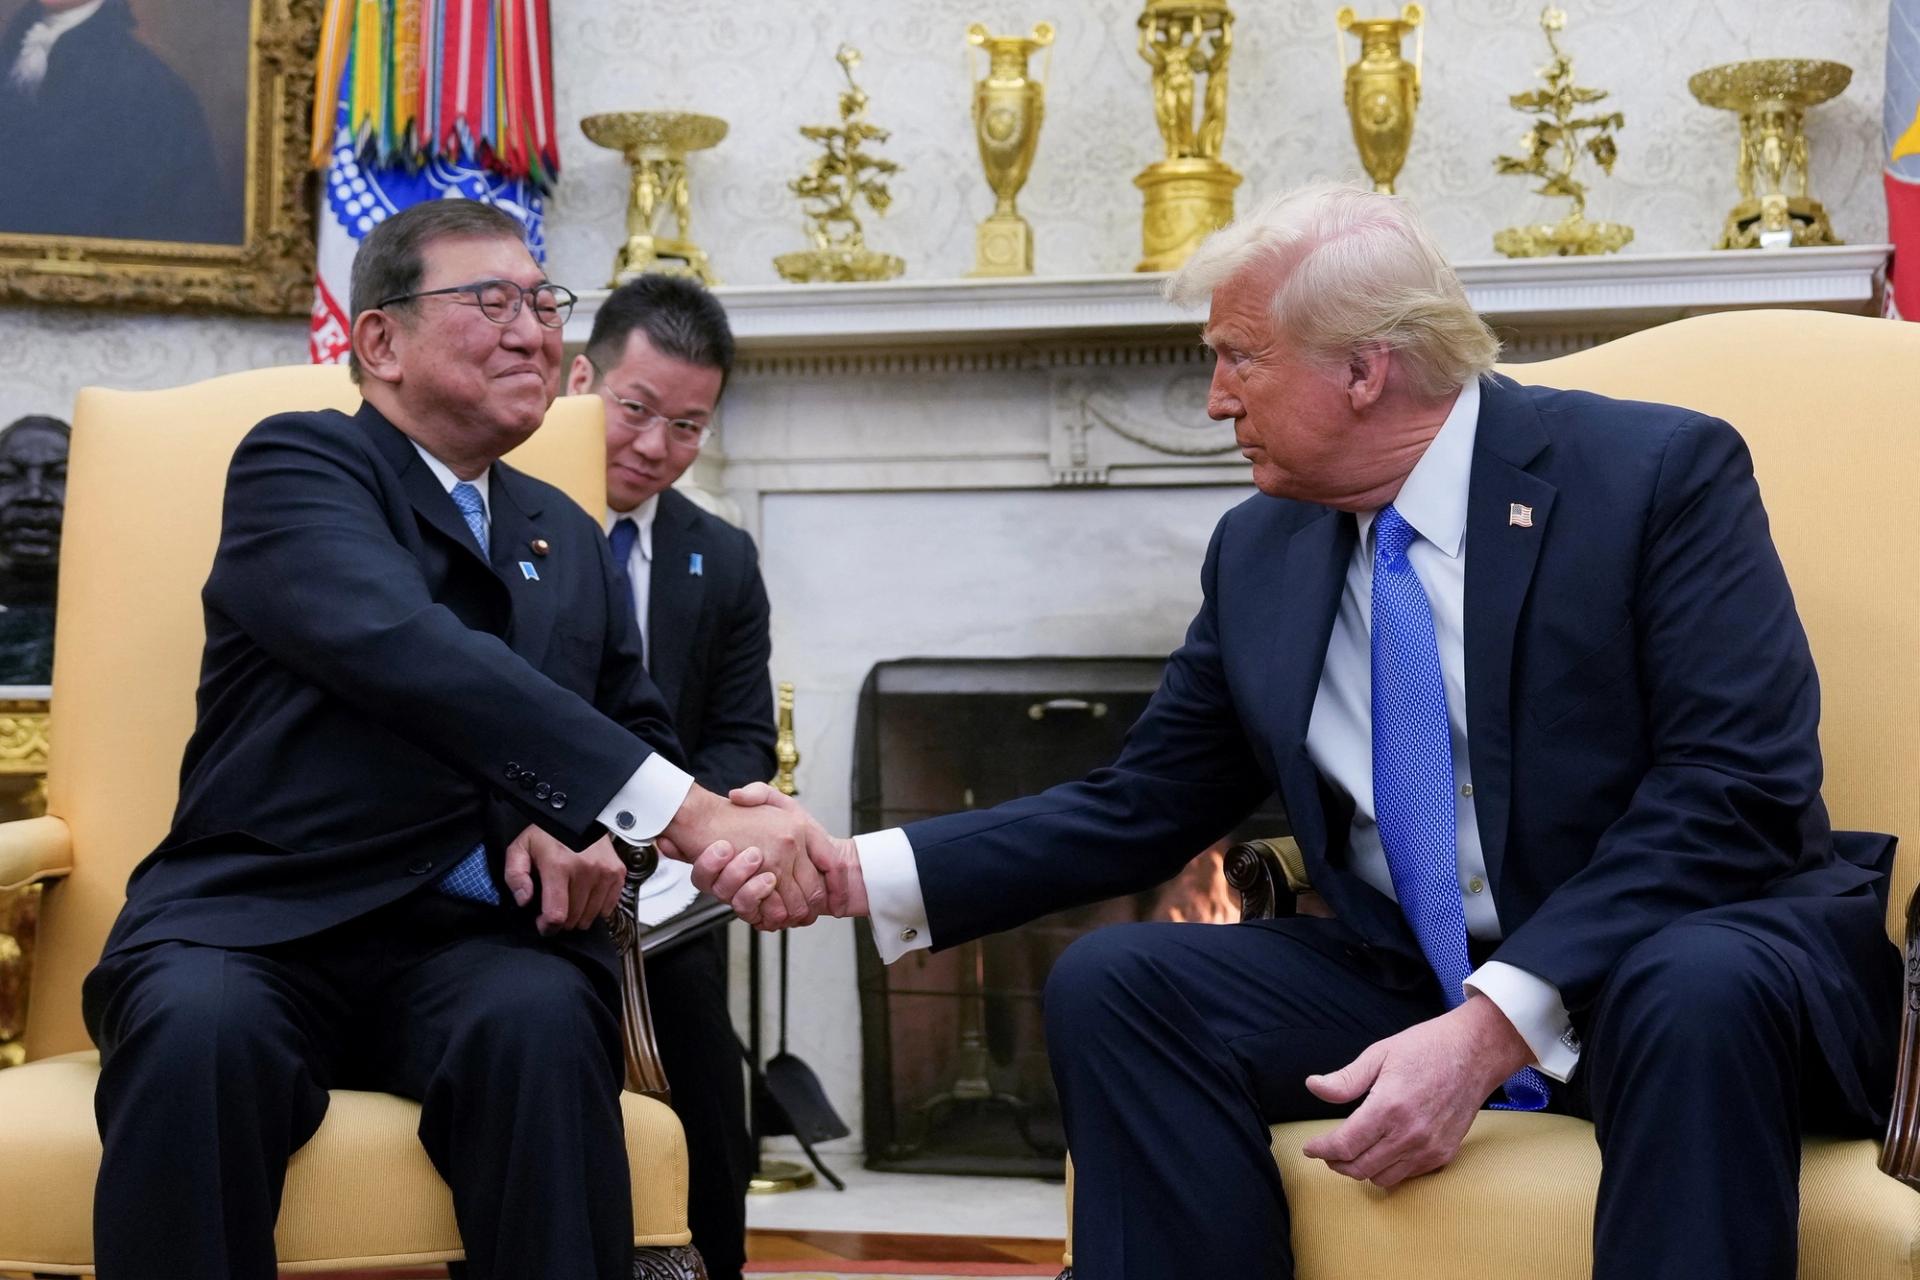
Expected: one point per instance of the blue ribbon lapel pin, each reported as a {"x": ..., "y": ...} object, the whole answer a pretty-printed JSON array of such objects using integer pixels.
[
  {"x": 528, "y": 572},
  {"x": 695, "y": 567}
]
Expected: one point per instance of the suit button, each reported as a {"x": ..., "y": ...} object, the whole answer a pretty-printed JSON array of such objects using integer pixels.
[
  {"x": 559, "y": 800},
  {"x": 419, "y": 866},
  {"x": 623, "y": 820},
  {"x": 542, "y": 791}
]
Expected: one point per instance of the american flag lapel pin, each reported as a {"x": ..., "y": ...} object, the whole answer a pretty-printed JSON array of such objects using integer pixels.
[
  {"x": 1519, "y": 515},
  {"x": 694, "y": 567}
]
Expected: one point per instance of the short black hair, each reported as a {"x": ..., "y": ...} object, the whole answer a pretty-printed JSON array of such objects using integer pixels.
[
  {"x": 680, "y": 318},
  {"x": 393, "y": 257}
]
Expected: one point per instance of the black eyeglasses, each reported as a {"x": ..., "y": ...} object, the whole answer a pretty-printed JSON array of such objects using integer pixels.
[{"x": 500, "y": 300}]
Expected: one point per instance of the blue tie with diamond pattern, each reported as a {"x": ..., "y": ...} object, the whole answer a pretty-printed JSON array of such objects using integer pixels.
[
  {"x": 1413, "y": 776},
  {"x": 471, "y": 878}
]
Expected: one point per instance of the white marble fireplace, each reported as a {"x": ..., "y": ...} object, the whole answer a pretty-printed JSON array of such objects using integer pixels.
[{"x": 1025, "y": 469}]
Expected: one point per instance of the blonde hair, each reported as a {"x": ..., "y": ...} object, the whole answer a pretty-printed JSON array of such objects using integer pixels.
[{"x": 1358, "y": 271}]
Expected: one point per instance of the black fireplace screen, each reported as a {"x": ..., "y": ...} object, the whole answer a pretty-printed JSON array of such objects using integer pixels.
[{"x": 954, "y": 1058}]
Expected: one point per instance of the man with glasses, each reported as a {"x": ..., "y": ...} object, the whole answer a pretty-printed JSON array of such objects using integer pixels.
[
  {"x": 660, "y": 354},
  {"x": 422, "y": 692}
]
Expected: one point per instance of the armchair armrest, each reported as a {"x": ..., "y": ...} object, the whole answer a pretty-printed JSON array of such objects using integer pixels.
[
  {"x": 1900, "y": 1153},
  {"x": 34, "y": 849},
  {"x": 645, "y": 1072},
  {"x": 1259, "y": 870}
]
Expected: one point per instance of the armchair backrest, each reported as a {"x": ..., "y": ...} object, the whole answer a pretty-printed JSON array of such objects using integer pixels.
[
  {"x": 1830, "y": 406},
  {"x": 146, "y": 473}
]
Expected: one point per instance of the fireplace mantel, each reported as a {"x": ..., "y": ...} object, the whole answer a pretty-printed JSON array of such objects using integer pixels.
[{"x": 1587, "y": 295}]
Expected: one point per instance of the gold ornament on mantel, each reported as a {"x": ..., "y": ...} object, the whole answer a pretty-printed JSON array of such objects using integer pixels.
[
  {"x": 656, "y": 144},
  {"x": 1382, "y": 90},
  {"x": 1189, "y": 194},
  {"x": 1772, "y": 96},
  {"x": 1007, "y": 110},
  {"x": 833, "y": 185},
  {"x": 1551, "y": 150}
]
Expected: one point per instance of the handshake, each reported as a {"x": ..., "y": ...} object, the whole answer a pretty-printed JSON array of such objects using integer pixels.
[{"x": 758, "y": 851}]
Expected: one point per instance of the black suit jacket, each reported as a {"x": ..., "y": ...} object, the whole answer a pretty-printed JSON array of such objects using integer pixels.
[
  {"x": 708, "y": 618},
  {"x": 376, "y": 697},
  {"x": 1642, "y": 713}
]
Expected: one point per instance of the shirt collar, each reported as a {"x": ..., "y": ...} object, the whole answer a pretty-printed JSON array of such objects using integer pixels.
[
  {"x": 1434, "y": 497},
  {"x": 58, "y": 24},
  {"x": 444, "y": 474},
  {"x": 642, "y": 517}
]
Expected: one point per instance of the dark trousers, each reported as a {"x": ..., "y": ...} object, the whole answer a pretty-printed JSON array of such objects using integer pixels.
[
  {"x": 687, "y": 990},
  {"x": 1174, "y": 1046},
  {"x": 215, "y": 1067}
]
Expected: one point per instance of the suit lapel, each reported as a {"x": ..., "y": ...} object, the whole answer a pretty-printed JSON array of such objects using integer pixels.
[
  {"x": 675, "y": 593},
  {"x": 516, "y": 508},
  {"x": 424, "y": 493},
  {"x": 1501, "y": 558},
  {"x": 1305, "y": 602}
]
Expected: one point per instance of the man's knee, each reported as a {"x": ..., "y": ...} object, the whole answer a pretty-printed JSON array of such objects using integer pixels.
[
  {"x": 188, "y": 1010},
  {"x": 544, "y": 1009},
  {"x": 1100, "y": 977},
  {"x": 1695, "y": 984}
]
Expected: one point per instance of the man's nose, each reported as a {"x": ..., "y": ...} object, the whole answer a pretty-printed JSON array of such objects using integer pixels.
[
  {"x": 524, "y": 332},
  {"x": 651, "y": 441},
  {"x": 1223, "y": 401}
]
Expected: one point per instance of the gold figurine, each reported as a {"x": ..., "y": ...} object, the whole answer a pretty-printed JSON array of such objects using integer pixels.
[
  {"x": 1382, "y": 90},
  {"x": 1007, "y": 110},
  {"x": 1772, "y": 96},
  {"x": 833, "y": 184},
  {"x": 656, "y": 144},
  {"x": 1188, "y": 194},
  {"x": 1552, "y": 148}
]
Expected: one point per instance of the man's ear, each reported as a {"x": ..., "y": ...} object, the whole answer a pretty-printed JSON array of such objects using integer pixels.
[
  {"x": 376, "y": 340},
  {"x": 580, "y": 376},
  {"x": 1366, "y": 374}
]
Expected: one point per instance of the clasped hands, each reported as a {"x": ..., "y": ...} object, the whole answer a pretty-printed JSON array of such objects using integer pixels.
[{"x": 762, "y": 854}]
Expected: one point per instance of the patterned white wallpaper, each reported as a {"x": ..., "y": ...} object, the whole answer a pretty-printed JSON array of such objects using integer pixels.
[{"x": 766, "y": 66}]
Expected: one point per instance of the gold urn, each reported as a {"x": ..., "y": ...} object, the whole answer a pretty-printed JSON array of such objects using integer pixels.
[
  {"x": 1008, "y": 108},
  {"x": 656, "y": 144},
  {"x": 1382, "y": 91},
  {"x": 1189, "y": 194},
  {"x": 1771, "y": 96}
]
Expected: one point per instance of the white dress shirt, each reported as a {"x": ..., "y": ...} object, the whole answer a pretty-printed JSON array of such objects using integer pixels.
[
  {"x": 30, "y": 65},
  {"x": 655, "y": 792},
  {"x": 1340, "y": 743}
]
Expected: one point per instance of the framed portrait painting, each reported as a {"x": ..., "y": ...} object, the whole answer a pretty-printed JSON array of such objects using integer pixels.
[{"x": 154, "y": 152}]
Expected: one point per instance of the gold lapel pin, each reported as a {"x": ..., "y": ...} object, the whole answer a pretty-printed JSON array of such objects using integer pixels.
[{"x": 540, "y": 546}]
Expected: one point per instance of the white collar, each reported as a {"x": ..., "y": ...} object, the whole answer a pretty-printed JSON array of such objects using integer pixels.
[
  {"x": 1434, "y": 497},
  {"x": 444, "y": 474},
  {"x": 642, "y": 517},
  {"x": 58, "y": 24}
]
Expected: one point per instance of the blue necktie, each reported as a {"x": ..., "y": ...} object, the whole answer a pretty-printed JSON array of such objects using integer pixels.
[
  {"x": 620, "y": 540},
  {"x": 1413, "y": 775},
  {"x": 471, "y": 878}
]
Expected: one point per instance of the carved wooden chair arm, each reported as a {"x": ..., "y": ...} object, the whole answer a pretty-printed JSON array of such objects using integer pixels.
[
  {"x": 1261, "y": 870},
  {"x": 34, "y": 849},
  {"x": 1900, "y": 1153},
  {"x": 645, "y": 1074}
]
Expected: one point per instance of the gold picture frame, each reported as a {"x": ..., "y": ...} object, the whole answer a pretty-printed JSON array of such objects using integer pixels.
[{"x": 270, "y": 271}]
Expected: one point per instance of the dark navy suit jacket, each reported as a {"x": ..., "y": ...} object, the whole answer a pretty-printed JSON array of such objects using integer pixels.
[
  {"x": 1642, "y": 713},
  {"x": 376, "y": 697}
]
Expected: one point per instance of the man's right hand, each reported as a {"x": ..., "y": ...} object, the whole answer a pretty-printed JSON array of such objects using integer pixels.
[
  {"x": 722, "y": 869},
  {"x": 780, "y": 887}
]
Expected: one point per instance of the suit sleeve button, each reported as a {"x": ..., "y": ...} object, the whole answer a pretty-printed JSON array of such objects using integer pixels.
[
  {"x": 542, "y": 791},
  {"x": 419, "y": 866},
  {"x": 559, "y": 800},
  {"x": 513, "y": 772}
]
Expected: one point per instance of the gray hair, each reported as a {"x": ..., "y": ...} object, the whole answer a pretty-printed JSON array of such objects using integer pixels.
[{"x": 1359, "y": 271}]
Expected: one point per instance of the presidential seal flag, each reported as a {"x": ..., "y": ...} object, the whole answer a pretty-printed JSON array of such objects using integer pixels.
[
  {"x": 1900, "y": 130},
  {"x": 437, "y": 100}
]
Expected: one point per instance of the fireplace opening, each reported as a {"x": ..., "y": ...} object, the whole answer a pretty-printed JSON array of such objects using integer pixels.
[{"x": 953, "y": 1053}]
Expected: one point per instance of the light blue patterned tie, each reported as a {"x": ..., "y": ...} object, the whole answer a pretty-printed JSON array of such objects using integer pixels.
[
  {"x": 1413, "y": 775},
  {"x": 471, "y": 878}
]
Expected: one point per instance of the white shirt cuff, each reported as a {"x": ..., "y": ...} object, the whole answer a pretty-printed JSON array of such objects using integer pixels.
[
  {"x": 1534, "y": 1008},
  {"x": 894, "y": 905},
  {"x": 642, "y": 809}
]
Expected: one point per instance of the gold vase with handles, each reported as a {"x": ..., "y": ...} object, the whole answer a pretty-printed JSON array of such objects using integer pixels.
[
  {"x": 1382, "y": 90},
  {"x": 1008, "y": 107}
]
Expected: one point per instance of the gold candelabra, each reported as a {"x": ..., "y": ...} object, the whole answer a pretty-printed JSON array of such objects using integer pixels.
[
  {"x": 1382, "y": 90},
  {"x": 1772, "y": 96},
  {"x": 1008, "y": 108},
  {"x": 833, "y": 187},
  {"x": 1551, "y": 148},
  {"x": 656, "y": 144},
  {"x": 1189, "y": 193}
]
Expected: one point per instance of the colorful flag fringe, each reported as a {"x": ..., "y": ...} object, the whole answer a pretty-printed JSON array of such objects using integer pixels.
[
  {"x": 1900, "y": 137},
  {"x": 466, "y": 81}
]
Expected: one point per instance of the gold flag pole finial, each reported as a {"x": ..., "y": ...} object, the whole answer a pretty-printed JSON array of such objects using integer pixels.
[{"x": 785, "y": 751}]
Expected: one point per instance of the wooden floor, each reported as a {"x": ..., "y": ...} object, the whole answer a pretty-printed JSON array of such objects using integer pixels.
[{"x": 868, "y": 1246}]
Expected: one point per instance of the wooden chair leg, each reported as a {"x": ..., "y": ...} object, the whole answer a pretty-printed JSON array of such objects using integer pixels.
[
  {"x": 678, "y": 1262},
  {"x": 645, "y": 1072}
]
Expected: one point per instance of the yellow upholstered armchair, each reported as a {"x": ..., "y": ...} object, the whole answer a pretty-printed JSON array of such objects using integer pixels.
[
  {"x": 1830, "y": 405},
  {"x": 147, "y": 471}
]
